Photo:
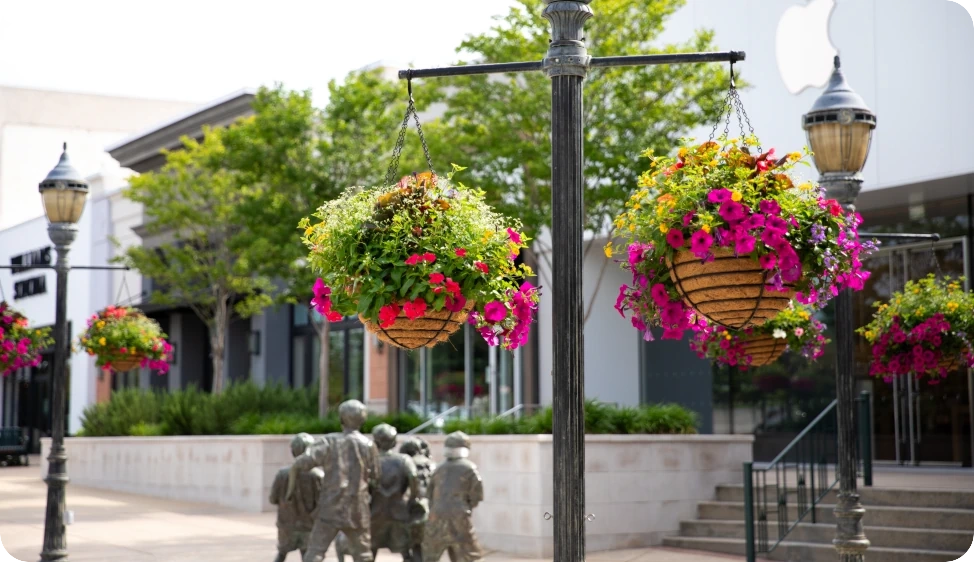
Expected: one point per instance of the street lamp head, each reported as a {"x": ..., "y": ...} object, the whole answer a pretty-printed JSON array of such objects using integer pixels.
[
  {"x": 64, "y": 192},
  {"x": 839, "y": 128}
]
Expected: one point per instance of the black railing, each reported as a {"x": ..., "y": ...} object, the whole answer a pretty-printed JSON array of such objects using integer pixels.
[{"x": 781, "y": 494}]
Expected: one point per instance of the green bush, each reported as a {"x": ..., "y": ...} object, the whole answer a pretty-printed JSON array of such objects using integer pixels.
[
  {"x": 246, "y": 409},
  {"x": 127, "y": 408},
  {"x": 599, "y": 419}
]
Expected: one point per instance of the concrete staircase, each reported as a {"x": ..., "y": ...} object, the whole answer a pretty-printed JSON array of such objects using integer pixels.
[{"x": 901, "y": 525}]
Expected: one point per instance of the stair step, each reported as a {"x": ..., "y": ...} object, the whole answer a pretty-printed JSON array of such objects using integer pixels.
[
  {"x": 809, "y": 552},
  {"x": 876, "y": 516},
  {"x": 885, "y": 537},
  {"x": 871, "y": 496}
]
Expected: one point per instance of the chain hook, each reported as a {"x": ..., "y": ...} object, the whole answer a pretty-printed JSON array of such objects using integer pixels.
[
  {"x": 733, "y": 85},
  {"x": 409, "y": 84}
]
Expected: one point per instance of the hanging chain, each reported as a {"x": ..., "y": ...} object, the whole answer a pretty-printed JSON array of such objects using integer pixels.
[
  {"x": 123, "y": 285},
  {"x": 733, "y": 99},
  {"x": 401, "y": 141}
]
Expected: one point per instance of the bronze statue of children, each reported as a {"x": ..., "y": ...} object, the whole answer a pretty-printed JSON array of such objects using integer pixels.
[
  {"x": 295, "y": 516},
  {"x": 454, "y": 491},
  {"x": 351, "y": 464}
]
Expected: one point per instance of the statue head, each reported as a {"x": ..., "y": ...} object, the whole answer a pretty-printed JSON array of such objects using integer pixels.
[
  {"x": 384, "y": 436},
  {"x": 457, "y": 445},
  {"x": 424, "y": 447},
  {"x": 300, "y": 443},
  {"x": 410, "y": 447},
  {"x": 352, "y": 414}
]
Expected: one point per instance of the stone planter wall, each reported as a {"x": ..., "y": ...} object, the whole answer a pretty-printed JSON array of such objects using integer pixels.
[{"x": 638, "y": 487}]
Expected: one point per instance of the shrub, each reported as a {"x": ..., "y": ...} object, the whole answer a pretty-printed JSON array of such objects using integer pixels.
[{"x": 126, "y": 409}]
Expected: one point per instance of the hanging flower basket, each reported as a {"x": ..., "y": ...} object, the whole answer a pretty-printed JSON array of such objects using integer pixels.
[
  {"x": 123, "y": 338},
  {"x": 20, "y": 346},
  {"x": 794, "y": 329},
  {"x": 417, "y": 259},
  {"x": 719, "y": 233},
  {"x": 926, "y": 329}
]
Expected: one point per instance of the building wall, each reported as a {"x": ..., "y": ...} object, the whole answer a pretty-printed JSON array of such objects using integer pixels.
[
  {"x": 909, "y": 60},
  {"x": 34, "y": 123},
  {"x": 611, "y": 344}
]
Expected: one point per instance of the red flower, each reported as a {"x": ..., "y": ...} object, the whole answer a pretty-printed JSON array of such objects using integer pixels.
[
  {"x": 461, "y": 253},
  {"x": 834, "y": 208},
  {"x": 514, "y": 235},
  {"x": 436, "y": 278},
  {"x": 413, "y": 259},
  {"x": 414, "y": 309},
  {"x": 429, "y": 257},
  {"x": 453, "y": 287},
  {"x": 481, "y": 266},
  {"x": 388, "y": 315}
]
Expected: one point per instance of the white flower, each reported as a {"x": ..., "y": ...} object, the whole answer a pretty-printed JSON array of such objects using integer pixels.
[{"x": 779, "y": 334}]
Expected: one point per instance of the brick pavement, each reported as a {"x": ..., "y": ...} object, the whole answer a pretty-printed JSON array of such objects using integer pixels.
[{"x": 114, "y": 527}]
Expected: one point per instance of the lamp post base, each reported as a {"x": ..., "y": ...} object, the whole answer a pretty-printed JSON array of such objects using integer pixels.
[{"x": 850, "y": 541}]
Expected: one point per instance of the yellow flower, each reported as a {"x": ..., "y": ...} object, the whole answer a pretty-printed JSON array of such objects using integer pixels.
[
  {"x": 807, "y": 186},
  {"x": 870, "y": 335},
  {"x": 713, "y": 162},
  {"x": 663, "y": 228},
  {"x": 804, "y": 315},
  {"x": 620, "y": 222},
  {"x": 682, "y": 152},
  {"x": 794, "y": 156},
  {"x": 101, "y": 341},
  {"x": 636, "y": 207},
  {"x": 101, "y": 324},
  {"x": 727, "y": 335},
  {"x": 309, "y": 230},
  {"x": 632, "y": 228},
  {"x": 736, "y": 196},
  {"x": 608, "y": 249},
  {"x": 705, "y": 228},
  {"x": 952, "y": 306}
]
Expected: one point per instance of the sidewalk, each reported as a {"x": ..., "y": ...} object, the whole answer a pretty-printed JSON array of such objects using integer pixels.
[{"x": 113, "y": 527}]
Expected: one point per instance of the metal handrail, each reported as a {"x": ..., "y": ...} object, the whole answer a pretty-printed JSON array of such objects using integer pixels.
[
  {"x": 517, "y": 409},
  {"x": 433, "y": 420},
  {"x": 808, "y": 456}
]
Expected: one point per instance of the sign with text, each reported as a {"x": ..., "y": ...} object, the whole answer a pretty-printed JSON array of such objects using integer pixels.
[{"x": 23, "y": 262}]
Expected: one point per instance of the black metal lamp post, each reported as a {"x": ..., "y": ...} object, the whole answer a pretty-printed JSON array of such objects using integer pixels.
[
  {"x": 839, "y": 128},
  {"x": 64, "y": 192},
  {"x": 567, "y": 62}
]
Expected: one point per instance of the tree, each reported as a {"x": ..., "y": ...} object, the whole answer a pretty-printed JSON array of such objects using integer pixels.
[
  {"x": 208, "y": 260},
  {"x": 500, "y": 127},
  {"x": 290, "y": 158}
]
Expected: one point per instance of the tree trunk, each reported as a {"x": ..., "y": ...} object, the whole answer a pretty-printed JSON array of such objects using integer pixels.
[
  {"x": 218, "y": 339},
  {"x": 323, "y": 328}
]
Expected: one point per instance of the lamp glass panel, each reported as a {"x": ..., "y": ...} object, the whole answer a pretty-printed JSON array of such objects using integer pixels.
[
  {"x": 64, "y": 205},
  {"x": 840, "y": 148}
]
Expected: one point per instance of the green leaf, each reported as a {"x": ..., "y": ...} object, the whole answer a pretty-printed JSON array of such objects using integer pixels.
[
  {"x": 365, "y": 301},
  {"x": 405, "y": 286},
  {"x": 396, "y": 275}
]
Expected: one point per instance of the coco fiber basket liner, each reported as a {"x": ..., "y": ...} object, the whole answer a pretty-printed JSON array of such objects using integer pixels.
[
  {"x": 125, "y": 363},
  {"x": 764, "y": 350},
  {"x": 433, "y": 328},
  {"x": 730, "y": 290}
]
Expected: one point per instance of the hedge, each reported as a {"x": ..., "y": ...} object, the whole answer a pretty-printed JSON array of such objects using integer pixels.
[{"x": 246, "y": 409}]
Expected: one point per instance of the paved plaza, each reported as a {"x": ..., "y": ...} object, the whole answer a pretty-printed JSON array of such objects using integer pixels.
[{"x": 113, "y": 527}]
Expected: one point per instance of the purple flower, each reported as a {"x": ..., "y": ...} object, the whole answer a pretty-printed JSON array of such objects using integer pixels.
[
  {"x": 818, "y": 234},
  {"x": 621, "y": 299},
  {"x": 636, "y": 252},
  {"x": 744, "y": 244},
  {"x": 731, "y": 211},
  {"x": 769, "y": 207},
  {"x": 700, "y": 243},
  {"x": 719, "y": 196},
  {"x": 768, "y": 261},
  {"x": 494, "y": 312},
  {"x": 660, "y": 296},
  {"x": 776, "y": 224},
  {"x": 675, "y": 238},
  {"x": 753, "y": 222},
  {"x": 687, "y": 218}
]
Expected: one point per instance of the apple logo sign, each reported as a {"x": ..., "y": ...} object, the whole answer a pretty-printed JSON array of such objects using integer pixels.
[{"x": 802, "y": 45}]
